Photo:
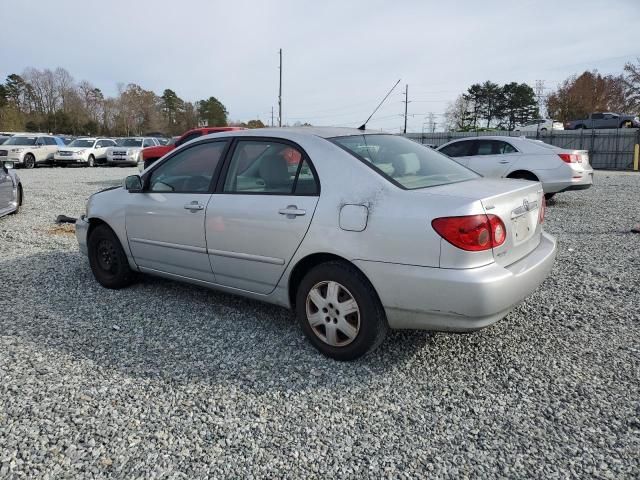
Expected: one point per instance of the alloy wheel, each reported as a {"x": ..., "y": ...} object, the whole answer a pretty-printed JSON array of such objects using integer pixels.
[{"x": 333, "y": 313}]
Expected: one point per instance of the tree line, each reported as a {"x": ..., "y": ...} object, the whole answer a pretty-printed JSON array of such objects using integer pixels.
[
  {"x": 491, "y": 106},
  {"x": 52, "y": 101}
]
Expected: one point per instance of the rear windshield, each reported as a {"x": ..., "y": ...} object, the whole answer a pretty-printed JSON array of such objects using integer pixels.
[
  {"x": 406, "y": 163},
  {"x": 131, "y": 142}
]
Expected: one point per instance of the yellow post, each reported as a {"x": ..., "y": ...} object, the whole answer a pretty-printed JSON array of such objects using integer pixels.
[{"x": 636, "y": 154}]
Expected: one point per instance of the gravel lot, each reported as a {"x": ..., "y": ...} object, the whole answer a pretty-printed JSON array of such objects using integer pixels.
[{"x": 164, "y": 380}]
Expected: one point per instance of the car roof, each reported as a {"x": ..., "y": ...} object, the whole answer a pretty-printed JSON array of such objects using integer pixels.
[{"x": 284, "y": 132}]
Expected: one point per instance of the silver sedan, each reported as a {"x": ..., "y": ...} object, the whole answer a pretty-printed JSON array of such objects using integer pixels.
[
  {"x": 11, "y": 194},
  {"x": 558, "y": 169},
  {"x": 356, "y": 232}
]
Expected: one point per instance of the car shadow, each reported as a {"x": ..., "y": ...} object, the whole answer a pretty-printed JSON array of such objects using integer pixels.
[{"x": 177, "y": 332}]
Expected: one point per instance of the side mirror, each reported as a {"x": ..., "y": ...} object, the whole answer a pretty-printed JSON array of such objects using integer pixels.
[{"x": 133, "y": 184}]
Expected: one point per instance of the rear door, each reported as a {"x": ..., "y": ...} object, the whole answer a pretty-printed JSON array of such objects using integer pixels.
[
  {"x": 165, "y": 222},
  {"x": 492, "y": 158},
  {"x": 260, "y": 213}
]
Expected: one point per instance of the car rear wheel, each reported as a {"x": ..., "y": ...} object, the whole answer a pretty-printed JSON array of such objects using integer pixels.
[
  {"x": 107, "y": 259},
  {"x": 522, "y": 175},
  {"x": 543, "y": 129},
  {"x": 626, "y": 124},
  {"x": 339, "y": 311},
  {"x": 91, "y": 162},
  {"x": 29, "y": 161}
]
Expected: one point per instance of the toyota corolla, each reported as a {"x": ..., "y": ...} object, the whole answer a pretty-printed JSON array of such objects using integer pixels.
[{"x": 361, "y": 233}]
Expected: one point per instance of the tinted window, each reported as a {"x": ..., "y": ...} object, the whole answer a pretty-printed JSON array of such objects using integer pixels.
[
  {"x": 190, "y": 170},
  {"x": 21, "y": 141},
  {"x": 504, "y": 147},
  {"x": 407, "y": 163},
  {"x": 189, "y": 137},
  {"x": 485, "y": 147},
  {"x": 131, "y": 142},
  {"x": 260, "y": 166},
  {"x": 82, "y": 142},
  {"x": 597, "y": 116},
  {"x": 458, "y": 149}
]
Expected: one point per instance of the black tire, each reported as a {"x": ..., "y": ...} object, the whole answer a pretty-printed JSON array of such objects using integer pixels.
[
  {"x": 548, "y": 196},
  {"x": 91, "y": 161},
  {"x": 19, "y": 200},
  {"x": 107, "y": 259},
  {"x": 29, "y": 161},
  {"x": 523, "y": 176},
  {"x": 372, "y": 324},
  {"x": 626, "y": 124},
  {"x": 581, "y": 127},
  {"x": 543, "y": 129}
]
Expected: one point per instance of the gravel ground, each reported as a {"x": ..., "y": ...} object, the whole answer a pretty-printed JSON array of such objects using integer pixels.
[{"x": 164, "y": 380}]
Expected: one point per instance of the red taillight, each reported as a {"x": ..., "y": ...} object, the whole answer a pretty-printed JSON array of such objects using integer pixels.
[
  {"x": 569, "y": 157},
  {"x": 543, "y": 208},
  {"x": 472, "y": 232}
]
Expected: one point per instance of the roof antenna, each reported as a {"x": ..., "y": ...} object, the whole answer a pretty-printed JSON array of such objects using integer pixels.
[{"x": 364, "y": 125}]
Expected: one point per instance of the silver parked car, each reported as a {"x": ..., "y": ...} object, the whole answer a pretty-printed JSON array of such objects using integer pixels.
[
  {"x": 127, "y": 151},
  {"x": 558, "y": 169},
  {"x": 11, "y": 193},
  {"x": 357, "y": 232}
]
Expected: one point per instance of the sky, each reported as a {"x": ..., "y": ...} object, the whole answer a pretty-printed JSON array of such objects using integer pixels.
[{"x": 339, "y": 57}]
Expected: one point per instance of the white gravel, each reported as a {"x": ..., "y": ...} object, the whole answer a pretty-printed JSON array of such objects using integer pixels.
[{"x": 164, "y": 380}]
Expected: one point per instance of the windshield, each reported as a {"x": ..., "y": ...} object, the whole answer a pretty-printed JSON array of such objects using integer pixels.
[
  {"x": 84, "y": 143},
  {"x": 131, "y": 142},
  {"x": 405, "y": 162},
  {"x": 21, "y": 141}
]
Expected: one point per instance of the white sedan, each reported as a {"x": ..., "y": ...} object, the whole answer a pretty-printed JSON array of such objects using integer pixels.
[
  {"x": 541, "y": 125},
  {"x": 557, "y": 169},
  {"x": 84, "y": 151}
]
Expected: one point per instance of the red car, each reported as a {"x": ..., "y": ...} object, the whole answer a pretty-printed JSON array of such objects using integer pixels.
[{"x": 151, "y": 154}]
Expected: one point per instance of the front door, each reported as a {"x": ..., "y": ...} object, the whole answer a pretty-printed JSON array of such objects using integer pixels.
[
  {"x": 166, "y": 222},
  {"x": 260, "y": 216}
]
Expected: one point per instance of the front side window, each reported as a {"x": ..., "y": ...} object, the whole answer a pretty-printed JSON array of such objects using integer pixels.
[
  {"x": 264, "y": 166},
  {"x": 408, "y": 164},
  {"x": 597, "y": 116},
  {"x": 458, "y": 149},
  {"x": 188, "y": 171},
  {"x": 190, "y": 137}
]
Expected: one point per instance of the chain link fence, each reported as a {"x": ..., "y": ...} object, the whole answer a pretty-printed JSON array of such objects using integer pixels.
[{"x": 608, "y": 149}]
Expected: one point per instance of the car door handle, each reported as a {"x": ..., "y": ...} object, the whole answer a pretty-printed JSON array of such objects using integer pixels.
[
  {"x": 292, "y": 211},
  {"x": 193, "y": 206},
  {"x": 504, "y": 161}
]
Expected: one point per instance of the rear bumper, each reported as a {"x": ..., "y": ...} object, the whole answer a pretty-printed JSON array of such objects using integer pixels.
[
  {"x": 82, "y": 228},
  {"x": 457, "y": 300}
]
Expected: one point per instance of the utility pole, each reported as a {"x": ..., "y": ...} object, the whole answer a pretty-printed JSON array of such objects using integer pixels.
[
  {"x": 406, "y": 105},
  {"x": 280, "y": 93},
  {"x": 272, "y": 115},
  {"x": 540, "y": 94}
]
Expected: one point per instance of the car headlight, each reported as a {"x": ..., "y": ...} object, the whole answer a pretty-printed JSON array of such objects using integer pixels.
[
  {"x": 80, "y": 152},
  {"x": 129, "y": 152},
  {"x": 16, "y": 150}
]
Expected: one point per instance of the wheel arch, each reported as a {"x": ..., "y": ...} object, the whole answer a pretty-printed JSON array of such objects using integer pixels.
[
  {"x": 525, "y": 174},
  {"x": 305, "y": 264}
]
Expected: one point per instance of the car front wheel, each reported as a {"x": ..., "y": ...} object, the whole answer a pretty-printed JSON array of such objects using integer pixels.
[
  {"x": 339, "y": 311},
  {"x": 107, "y": 259}
]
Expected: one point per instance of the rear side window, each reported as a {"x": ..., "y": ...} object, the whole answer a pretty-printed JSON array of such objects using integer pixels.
[
  {"x": 485, "y": 147},
  {"x": 269, "y": 167},
  {"x": 458, "y": 149},
  {"x": 407, "y": 164},
  {"x": 504, "y": 147},
  {"x": 189, "y": 137}
]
